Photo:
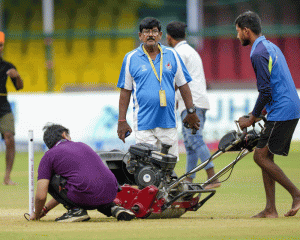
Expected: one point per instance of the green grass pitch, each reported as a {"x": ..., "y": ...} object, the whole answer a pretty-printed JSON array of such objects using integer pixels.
[{"x": 226, "y": 216}]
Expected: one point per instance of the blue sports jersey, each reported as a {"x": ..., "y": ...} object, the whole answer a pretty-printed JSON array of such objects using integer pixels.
[
  {"x": 137, "y": 75},
  {"x": 277, "y": 91}
]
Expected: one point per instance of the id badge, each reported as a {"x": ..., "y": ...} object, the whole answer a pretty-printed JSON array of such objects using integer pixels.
[{"x": 162, "y": 98}]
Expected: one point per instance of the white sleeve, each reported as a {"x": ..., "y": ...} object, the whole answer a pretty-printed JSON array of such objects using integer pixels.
[
  {"x": 182, "y": 76},
  {"x": 125, "y": 79}
]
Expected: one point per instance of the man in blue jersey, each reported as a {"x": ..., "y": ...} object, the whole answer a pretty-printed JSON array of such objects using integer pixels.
[
  {"x": 150, "y": 74},
  {"x": 279, "y": 98}
]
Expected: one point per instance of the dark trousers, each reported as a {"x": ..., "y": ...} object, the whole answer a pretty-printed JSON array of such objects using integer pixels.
[{"x": 58, "y": 191}]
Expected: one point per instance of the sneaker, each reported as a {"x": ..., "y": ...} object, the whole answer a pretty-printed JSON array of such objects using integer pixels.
[
  {"x": 122, "y": 214},
  {"x": 74, "y": 215}
]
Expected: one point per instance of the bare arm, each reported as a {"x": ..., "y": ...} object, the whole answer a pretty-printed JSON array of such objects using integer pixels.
[
  {"x": 247, "y": 122},
  {"x": 123, "y": 126},
  {"x": 124, "y": 103},
  {"x": 51, "y": 204},
  {"x": 20, "y": 84},
  {"x": 192, "y": 119},
  {"x": 40, "y": 198},
  {"x": 13, "y": 73},
  {"x": 186, "y": 95}
]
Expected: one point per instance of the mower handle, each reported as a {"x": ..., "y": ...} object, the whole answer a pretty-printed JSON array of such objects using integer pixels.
[
  {"x": 263, "y": 118},
  {"x": 244, "y": 133}
]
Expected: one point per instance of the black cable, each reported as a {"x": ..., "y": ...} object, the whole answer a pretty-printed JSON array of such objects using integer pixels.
[
  {"x": 239, "y": 154},
  {"x": 188, "y": 173},
  {"x": 27, "y": 216}
]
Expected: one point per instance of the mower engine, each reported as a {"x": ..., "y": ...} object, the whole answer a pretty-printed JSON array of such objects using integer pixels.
[
  {"x": 145, "y": 176},
  {"x": 151, "y": 167}
]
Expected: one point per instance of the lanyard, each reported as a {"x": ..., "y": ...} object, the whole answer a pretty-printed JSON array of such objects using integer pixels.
[{"x": 152, "y": 65}]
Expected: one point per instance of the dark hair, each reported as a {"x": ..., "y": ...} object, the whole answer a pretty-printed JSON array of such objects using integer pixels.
[
  {"x": 249, "y": 20},
  {"x": 149, "y": 23},
  {"x": 53, "y": 133},
  {"x": 176, "y": 30}
]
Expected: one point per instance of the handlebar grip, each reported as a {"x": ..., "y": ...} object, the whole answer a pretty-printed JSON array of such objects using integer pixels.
[
  {"x": 260, "y": 116},
  {"x": 263, "y": 118},
  {"x": 244, "y": 133}
]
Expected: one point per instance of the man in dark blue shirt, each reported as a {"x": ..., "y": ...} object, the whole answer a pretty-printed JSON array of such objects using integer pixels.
[{"x": 279, "y": 99}]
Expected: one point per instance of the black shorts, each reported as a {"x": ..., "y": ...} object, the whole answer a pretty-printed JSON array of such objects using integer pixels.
[{"x": 277, "y": 136}]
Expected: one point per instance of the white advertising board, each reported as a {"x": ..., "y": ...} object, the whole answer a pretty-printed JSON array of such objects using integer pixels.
[{"x": 92, "y": 117}]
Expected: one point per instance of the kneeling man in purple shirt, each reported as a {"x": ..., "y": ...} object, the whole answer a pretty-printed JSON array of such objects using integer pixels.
[{"x": 75, "y": 176}]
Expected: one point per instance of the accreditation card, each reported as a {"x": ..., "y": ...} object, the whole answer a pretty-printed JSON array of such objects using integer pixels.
[{"x": 162, "y": 98}]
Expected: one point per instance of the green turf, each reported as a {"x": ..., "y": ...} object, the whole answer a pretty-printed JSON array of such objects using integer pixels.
[{"x": 225, "y": 216}]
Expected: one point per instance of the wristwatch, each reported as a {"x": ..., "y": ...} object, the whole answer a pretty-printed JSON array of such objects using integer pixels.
[{"x": 191, "y": 110}]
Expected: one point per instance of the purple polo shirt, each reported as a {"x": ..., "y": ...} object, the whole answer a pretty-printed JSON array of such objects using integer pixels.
[{"x": 89, "y": 182}]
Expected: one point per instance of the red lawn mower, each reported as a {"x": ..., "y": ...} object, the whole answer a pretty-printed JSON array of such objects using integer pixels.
[{"x": 149, "y": 185}]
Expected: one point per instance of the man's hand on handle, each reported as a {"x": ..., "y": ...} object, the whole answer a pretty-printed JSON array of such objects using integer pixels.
[{"x": 247, "y": 121}]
